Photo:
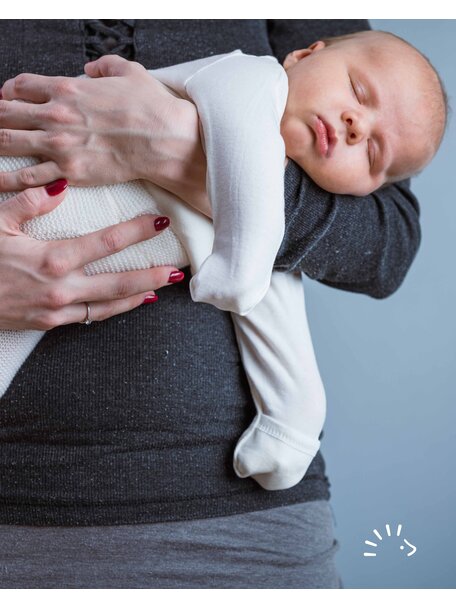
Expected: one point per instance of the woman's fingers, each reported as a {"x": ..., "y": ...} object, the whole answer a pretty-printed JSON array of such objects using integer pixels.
[
  {"x": 20, "y": 142},
  {"x": 19, "y": 115},
  {"x": 31, "y": 203},
  {"x": 76, "y": 253},
  {"x": 121, "y": 285},
  {"x": 30, "y": 177},
  {"x": 99, "y": 311},
  {"x": 110, "y": 294},
  {"x": 110, "y": 65},
  {"x": 30, "y": 87}
]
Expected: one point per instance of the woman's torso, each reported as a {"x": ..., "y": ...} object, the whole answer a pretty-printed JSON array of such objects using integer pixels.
[{"x": 134, "y": 419}]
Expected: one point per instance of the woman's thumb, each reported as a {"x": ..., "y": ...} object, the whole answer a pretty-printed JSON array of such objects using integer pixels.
[{"x": 108, "y": 65}]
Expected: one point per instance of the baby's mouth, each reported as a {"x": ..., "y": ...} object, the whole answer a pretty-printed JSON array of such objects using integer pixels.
[{"x": 325, "y": 137}]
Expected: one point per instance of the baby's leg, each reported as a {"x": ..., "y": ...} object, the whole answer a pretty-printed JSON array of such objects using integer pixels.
[{"x": 276, "y": 348}]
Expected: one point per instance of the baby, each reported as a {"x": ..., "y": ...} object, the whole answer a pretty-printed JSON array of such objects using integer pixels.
[{"x": 355, "y": 113}]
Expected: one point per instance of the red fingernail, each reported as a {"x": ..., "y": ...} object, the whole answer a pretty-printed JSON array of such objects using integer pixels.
[
  {"x": 150, "y": 299},
  {"x": 161, "y": 223},
  {"x": 56, "y": 187},
  {"x": 176, "y": 276}
]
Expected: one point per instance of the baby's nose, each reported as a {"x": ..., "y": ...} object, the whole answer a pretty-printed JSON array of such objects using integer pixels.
[{"x": 356, "y": 128}]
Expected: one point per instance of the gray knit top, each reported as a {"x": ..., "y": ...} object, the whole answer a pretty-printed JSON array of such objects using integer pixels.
[{"x": 134, "y": 420}]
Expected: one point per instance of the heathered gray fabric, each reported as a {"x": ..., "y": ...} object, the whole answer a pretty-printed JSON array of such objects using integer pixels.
[
  {"x": 284, "y": 548},
  {"x": 134, "y": 420}
]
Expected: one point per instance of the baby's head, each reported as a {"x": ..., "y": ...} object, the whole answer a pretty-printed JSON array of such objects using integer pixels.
[{"x": 362, "y": 111}]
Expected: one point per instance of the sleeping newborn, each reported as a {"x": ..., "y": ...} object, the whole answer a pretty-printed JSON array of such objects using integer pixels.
[{"x": 355, "y": 112}]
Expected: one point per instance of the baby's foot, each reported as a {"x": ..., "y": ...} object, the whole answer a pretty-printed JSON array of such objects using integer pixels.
[
  {"x": 214, "y": 284},
  {"x": 276, "y": 456}
]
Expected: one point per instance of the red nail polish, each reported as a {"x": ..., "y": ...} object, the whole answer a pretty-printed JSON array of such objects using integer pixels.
[
  {"x": 176, "y": 276},
  {"x": 56, "y": 187},
  {"x": 150, "y": 299},
  {"x": 161, "y": 223}
]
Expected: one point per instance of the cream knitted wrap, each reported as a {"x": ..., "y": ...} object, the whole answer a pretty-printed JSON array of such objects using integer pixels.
[{"x": 82, "y": 211}]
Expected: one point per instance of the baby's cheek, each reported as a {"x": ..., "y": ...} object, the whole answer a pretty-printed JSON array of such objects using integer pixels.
[
  {"x": 348, "y": 175},
  {"x": 338, "y": 178}
]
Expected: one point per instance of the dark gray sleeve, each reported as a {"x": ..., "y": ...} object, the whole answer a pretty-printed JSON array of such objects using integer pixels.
[{"x": 361, "y": 244}]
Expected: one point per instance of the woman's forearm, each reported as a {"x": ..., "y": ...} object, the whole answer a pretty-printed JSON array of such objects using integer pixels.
[{"x": 360, "y": 244}]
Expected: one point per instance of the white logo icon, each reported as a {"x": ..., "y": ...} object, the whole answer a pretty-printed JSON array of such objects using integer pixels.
[{"x": 388, "y": 532}]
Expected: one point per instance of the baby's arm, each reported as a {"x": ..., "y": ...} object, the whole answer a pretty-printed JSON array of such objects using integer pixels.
[
  {"x": 277, "y": 352},
  {"x": 240, "y": 101}
]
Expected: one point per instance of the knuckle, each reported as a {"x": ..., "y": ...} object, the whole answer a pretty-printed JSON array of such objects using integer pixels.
[
  {"x": 113, "y": 241},
  {"x": 46, "y": 321},
  {"x": 138, "y": 66},
  {"x": 29, "y": 202},
  {"x": 123, "y": 289},
  {"x": 21, "y": 81},
  {"x": 72, "y": 167},
  {"x": 112, "y": 60},
  {"x": 27, "y": 177},
  {"x": 58, "y": 113},
  {"x": 58, "y": 141},
  {"x": 54, "y": 266},
  {"x": 64, "y": 86},
  {"x": 5, "y": 138},
  {"x": 3, "y": 108},
  {"x": 3, "y": 182},
  {"x": 57, "y": 298}
]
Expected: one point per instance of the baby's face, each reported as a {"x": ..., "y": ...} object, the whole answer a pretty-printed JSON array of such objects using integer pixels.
[{"x": 355, "y": 117}]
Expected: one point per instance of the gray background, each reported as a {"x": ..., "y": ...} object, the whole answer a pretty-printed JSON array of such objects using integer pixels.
[{"x": 390, "y": 435}]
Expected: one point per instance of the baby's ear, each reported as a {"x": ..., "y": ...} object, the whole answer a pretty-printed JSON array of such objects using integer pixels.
[{"x": 295, "y": 56}]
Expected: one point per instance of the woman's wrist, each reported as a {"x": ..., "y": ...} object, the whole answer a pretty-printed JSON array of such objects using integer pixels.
[{"x": 179, "y": 163}]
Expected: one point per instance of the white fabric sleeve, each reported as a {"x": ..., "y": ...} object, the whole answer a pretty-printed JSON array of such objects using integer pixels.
[
  {"x": 240, "y": 101},
  {"x": 175, "y": 77}
]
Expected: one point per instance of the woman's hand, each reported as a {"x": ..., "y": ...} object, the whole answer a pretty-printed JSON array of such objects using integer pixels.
[
  {"x": 43, "y": 284},
  {"x": 118, "y": 125}
]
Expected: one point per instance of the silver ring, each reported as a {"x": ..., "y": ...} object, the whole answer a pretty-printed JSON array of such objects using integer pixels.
[{"x": 87, "y": 320}]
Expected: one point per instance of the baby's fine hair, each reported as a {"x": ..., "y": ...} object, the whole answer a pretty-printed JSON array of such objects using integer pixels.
[{"x": 437, "y": 95}]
